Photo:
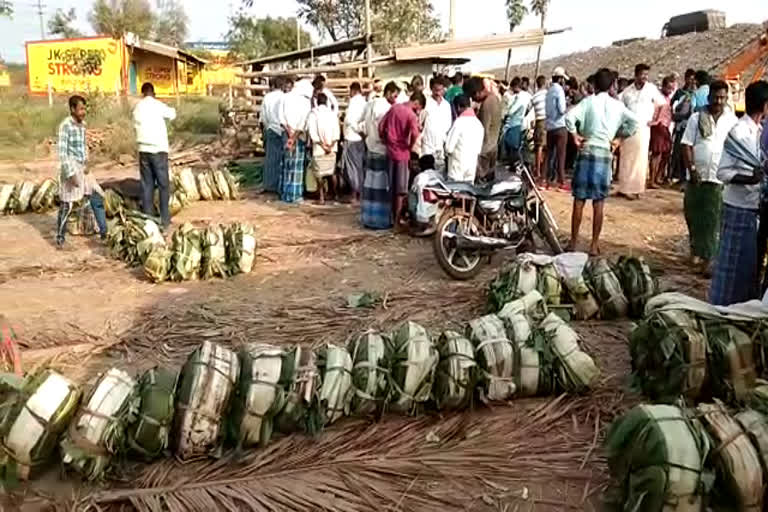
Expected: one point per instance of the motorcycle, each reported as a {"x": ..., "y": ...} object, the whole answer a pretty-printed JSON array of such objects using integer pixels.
[{"x": 475, "y": 221}]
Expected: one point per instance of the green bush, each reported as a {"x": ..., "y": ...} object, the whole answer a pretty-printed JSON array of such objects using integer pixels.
[{"x": 28, "y": 122}]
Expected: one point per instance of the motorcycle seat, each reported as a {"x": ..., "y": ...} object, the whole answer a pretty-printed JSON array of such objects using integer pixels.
[{"x": 487, "y": 190}]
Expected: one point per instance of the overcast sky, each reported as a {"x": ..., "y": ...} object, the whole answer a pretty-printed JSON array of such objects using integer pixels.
[{"x": 593, "y": 22}]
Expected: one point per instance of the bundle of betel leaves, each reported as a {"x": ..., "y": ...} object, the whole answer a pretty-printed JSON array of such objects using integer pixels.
[{"x": 686, "y": 347}]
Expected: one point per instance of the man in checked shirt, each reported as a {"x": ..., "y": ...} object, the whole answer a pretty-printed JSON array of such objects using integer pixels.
[{"x": 75, "y": 182}]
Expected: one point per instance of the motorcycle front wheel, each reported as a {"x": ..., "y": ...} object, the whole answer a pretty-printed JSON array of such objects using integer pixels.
[
  {"x": 460, "y": 264},
  {"x": 547, "y": 231}
]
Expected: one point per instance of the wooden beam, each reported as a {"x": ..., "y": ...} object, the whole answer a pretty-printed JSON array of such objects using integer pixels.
[
  {"x": 346, "y": 66},
  {"x": 464, "y": 46}
]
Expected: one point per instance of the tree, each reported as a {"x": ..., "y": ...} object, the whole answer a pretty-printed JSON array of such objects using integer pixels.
[
  {"x": 397, "y": 21},
  {"x": 171, "y": 23},
  {"x": 403, "y": 22},
  {"x": 61, "y": 24},
  {"x": 250, "y": 37},
  {"x": 539, "y": 8},
  {"x": 118, "y": 17},
  {"x": 516, "y": 11},
  {"x": 6, "y": 8}
]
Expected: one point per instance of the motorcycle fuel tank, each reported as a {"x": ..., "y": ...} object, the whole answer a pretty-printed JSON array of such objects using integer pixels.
[{"x": 510, "y": 185}]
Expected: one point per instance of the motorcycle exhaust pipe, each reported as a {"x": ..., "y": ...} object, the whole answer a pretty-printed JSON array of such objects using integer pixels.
[{"x": 487, "y": 243}]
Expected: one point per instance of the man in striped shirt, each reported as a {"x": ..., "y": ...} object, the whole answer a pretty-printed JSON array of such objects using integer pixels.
[
  {"x": 75, "y": 182},
  {"x": 540, "y": 128}
]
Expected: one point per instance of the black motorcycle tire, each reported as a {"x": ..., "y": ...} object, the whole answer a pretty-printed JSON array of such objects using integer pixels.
[
  {"x": 549, "y": 235},
  {"x": 437, "y": 247}
]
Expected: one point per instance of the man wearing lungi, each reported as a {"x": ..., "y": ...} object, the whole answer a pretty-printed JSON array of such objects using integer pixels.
[
  {"x": 296, "y": 106},
  {"x": 741, "y": 170},
  {"x": 274, "y": 143},
  {"x": 702, "y": 147},
  {"x": 595, "y": 122},
  {"x": 399, "y": 130},
  {"x": 376, "y": 201},
  {"x": 641, "y": 98},
  {"x": 353, "y": 157}
]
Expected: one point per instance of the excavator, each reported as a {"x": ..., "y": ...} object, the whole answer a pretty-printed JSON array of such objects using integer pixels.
[{"x": 753, "y": 54}]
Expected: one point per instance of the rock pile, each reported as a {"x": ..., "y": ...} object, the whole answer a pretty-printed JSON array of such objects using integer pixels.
[{"x": 705, "y": 50}]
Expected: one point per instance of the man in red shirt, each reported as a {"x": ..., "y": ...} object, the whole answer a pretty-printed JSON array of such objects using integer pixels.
[{"x": 398, "y": 130}]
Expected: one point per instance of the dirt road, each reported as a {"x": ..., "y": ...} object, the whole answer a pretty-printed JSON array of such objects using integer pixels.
[{"x": 90, "y": 311}]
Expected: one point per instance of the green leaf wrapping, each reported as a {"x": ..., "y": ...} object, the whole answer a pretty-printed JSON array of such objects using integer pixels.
[
  {"x": 150, "y": 425},
  {"x": 300, "y": 380},
  {"x": 259, "y": 395},
  {"x": 205, "y": 391},
  {"x": 187, "y": 253},
  {"x": 656, "y": 455},
  {"x": 412, "y": 363},
  {"x": 98, "y": 429},
  {"x": 496, "y": 357},
  {"x": 34, "y": 413},
  {"x": 638, "y": 283},
  {"x": 456, "y": 374},
  {"x": 370, "y": 374},
  {"x": 241, "y": 245},
  {"x": 669, "y": 356},
  {"x": 335, "y": 366},
  {"x": 214, "y": 261},
  {"x": 606, "y": 287}
]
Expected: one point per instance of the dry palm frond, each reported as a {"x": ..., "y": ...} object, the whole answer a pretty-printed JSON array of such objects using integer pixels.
[
  {"x": 296, "y": 321},
  {"x": 386, "y": 466}
]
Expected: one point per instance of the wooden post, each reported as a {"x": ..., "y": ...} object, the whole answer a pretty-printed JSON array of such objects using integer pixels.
[
  {"x": 452, "y": 20},
  {"x": 298, "y": 40},
  {"x": 368, "y": 47},
  {"x": 50, "y": 94}
]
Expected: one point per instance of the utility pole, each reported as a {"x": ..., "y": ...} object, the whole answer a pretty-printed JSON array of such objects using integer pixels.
[
  {"x": 40, "y": 6},
  {"x": 452, "y": 20}
]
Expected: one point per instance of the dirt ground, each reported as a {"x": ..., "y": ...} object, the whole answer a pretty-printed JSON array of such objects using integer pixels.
[{"x": 88, "y": 311}]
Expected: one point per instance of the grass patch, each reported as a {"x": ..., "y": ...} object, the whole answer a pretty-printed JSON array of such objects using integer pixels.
[{"x": 29, "y": 123}]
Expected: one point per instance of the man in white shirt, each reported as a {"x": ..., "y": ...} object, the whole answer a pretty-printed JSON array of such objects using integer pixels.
[
  {"x": 641, "y": 98},
  {"x": 539, "y": 100},
  {"x": 149, "y": 118},
  {"x": 273, "y": 134},
  {"x": 353, "y": 158},
  {"x": 464, "y": 143},
  {"x": 741, "y": 169},
  {"x": 323, "y": 126},
  {"x": 376, "y": 200},
  {"x": 295, "y": 110},
  {"x": 436, "y": 124},
  {"x": 319, "y": 85},
  {"x": 702, "y": 147}
]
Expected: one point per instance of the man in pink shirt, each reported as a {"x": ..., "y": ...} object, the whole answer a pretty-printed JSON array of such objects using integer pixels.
[
  {"x": 661, "y": 137},
  {"x": 399, "y": 130}
]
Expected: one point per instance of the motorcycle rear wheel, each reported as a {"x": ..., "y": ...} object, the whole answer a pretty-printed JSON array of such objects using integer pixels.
[{"x": 459, "y": 264}]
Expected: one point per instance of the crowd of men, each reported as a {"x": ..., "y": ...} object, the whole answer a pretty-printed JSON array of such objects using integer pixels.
[{"x": 460, "y": 129}]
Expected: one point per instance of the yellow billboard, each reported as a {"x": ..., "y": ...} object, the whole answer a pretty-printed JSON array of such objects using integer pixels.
[{"x": 92, "y": 64}]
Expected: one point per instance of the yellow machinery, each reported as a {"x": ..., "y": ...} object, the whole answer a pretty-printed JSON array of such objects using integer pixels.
[{"x": 754, "y": 53}]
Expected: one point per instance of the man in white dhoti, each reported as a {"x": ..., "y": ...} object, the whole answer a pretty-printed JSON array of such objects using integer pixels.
[{"x": 641, "y": 98}]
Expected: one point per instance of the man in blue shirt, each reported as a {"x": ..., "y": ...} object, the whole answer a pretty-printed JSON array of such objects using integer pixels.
[
  {"x": 595, "y": 122},
  {"x": 700, "y": 98},
  {"x": 557, "y": 135}
]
